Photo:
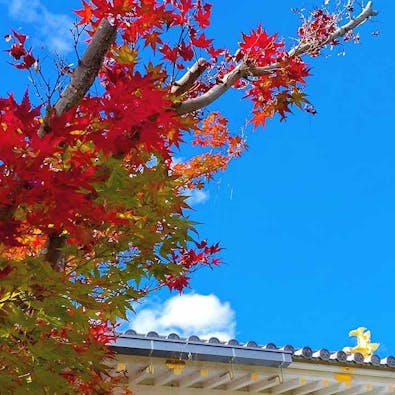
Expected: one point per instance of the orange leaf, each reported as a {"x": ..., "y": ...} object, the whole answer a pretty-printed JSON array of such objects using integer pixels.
[{"x": 85, "y": 13}]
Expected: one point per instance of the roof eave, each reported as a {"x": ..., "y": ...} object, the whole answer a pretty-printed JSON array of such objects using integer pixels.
[{"x": 184, "y": 350}]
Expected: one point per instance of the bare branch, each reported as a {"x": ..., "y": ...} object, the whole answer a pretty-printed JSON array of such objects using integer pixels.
[
  {"x": 243, "y": 70},
  {"x": 259, "y": 71},
  {"x": 215, "y": 92},
  {"x": 88, "y": 68},
  {"x": 85, "y": 73},
  {"x": 187, "y": 80}
]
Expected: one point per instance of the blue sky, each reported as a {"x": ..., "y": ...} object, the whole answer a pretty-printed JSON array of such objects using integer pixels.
[{"x": 306, "y": 217}]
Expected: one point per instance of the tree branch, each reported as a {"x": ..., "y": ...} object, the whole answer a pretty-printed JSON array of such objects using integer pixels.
[
  {"x": 87, "y": 70},
  {"x": 244, "y": 70},
  {"x": 82, "y": 79},
  {"x": 92, "y": 60},
  {"x": 365, "y": 14},
  {"x": 187, "y": 80},
  {"x": 53, "y": 252}
]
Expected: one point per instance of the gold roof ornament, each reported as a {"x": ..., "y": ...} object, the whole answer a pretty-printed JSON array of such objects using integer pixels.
[{"x": 364, "y": 346}]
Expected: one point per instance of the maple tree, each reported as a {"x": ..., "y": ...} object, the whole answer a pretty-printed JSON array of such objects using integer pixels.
[{"x": 93, "y": 210}]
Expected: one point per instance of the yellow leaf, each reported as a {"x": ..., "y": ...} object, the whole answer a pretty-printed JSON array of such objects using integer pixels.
[{"x": 125, "y": 55}]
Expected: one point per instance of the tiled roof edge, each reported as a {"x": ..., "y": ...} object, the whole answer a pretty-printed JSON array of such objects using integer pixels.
[{"x": 173, "y": 345}]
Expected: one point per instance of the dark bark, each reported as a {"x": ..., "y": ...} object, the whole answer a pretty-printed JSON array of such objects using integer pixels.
[{"x": 82, "y": 79}]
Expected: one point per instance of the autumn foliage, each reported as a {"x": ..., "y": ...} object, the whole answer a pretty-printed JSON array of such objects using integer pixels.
[{"x": 93, "y": 205}]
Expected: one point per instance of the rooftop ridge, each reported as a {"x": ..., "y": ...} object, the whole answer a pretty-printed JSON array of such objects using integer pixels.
[{"x": 297, "y": 353}]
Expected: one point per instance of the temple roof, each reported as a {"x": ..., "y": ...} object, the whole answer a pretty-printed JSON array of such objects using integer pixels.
[
  {"x": 131, "y": 342},
  {"x": 152, "y": 364}
]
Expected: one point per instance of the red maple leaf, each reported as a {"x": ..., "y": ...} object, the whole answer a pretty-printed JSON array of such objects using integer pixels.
[
  {"x": 85, "y": 13},
  {"x": 203, "y": 16},
  {"x": 186, "y": 51},
  {"x": 202, "y": 42},
  {"x": 258, "y": 119},
  {"x": 152, "y": 39},
  {"x": 20, "y": 37},
  {"x": 169, "y": 53},
  {"x": 17, "y": 51},
  {"x": 28, "y": 61}
]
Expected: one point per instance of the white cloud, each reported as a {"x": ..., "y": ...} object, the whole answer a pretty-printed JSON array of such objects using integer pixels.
[
  {"x": 17, "y": 10},
  {"x": 196, "y": 196},
  {"x": 51, "y": 29},
  {"x": 187, "y": 314}
]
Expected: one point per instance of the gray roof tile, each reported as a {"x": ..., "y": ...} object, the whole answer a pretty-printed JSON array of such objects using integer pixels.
[{"x": 298, "y": 354}]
